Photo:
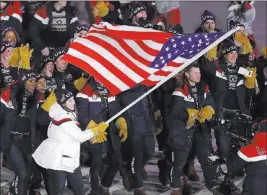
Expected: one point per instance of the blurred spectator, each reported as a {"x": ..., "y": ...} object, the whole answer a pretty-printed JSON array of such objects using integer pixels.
[{"x": 245, "y": 13}]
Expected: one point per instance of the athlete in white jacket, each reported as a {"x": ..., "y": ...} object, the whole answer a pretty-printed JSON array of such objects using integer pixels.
[{"x": 60, "y": 152}]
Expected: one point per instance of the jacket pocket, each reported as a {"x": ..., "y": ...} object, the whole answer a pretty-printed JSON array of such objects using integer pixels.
[
  {"x": 180, "y": 138},
  {"x": 67, "y": 161},
  {"x": 177, "y": 137}
]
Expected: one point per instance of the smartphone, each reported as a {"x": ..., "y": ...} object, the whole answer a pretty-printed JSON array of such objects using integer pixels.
[{"x": 244, "y": 72}]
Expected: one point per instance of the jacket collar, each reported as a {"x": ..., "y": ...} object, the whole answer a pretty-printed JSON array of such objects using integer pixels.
[
  {"x": 223, "y": 64},
  {"x": 187, "y": 88}
]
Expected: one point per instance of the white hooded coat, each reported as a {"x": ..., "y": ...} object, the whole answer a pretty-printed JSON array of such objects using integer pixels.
[{"x": 61, "y": 150}]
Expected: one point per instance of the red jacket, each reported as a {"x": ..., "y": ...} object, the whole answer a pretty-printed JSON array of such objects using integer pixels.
[{"x": 257, "y": 150}]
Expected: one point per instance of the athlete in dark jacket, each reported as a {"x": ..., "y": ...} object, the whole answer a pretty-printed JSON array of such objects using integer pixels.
[
  {"x": 18, "y": 107},
  {"x": 66, "y": 75},
  {"x": 141, "y": 124},
  {"x": 42, "y": 122},
  {"x": 191, "y": 107},
  {"x": 52, "y": 26},
  {"x": 96, "y": 104},
  {"x": 231, "y": 92}
]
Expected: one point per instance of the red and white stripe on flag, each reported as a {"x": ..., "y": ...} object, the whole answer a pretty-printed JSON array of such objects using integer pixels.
[{"x": 120, "y": 56}]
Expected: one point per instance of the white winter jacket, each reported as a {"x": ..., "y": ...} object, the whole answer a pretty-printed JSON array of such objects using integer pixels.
[{"x": 61, "y": 150}]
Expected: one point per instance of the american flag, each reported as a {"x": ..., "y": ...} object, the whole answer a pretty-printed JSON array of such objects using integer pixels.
[{"x": 121, "y": 57}]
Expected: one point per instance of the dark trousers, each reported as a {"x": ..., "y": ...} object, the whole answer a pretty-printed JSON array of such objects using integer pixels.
[
  {"x": 113, "y": 161},
  {"x": 178, "y": 156},
  {"x": 254, "y": 186},
  {"x": 222, "y": 142},
  {"x": 96, "y": 161},
  {"x": 57, "y": 180},
  {"x": 20, "y": 159},
  {"x": 163, "y": 135},
  {"x": 39, "y": 174},
  {"x": 112, "y": 169},
  {"x": 142, "y": 150},
  {"x": 162, "y": 138}
]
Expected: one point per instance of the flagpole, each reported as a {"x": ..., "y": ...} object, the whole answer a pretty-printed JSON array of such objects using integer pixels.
[{"x": 180, "y": 68}]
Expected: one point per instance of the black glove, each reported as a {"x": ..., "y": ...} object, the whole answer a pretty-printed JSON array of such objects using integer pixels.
[
  {"x": 145, "y": 23},
  {"x": 85, "y": 75},
  {"x": 158, "y": 27}
]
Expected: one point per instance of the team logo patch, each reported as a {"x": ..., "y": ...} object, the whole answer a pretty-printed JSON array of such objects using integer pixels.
[
  {"x": 260, "y": 151},
  {"x": 94, "y": 97},
  {"x": 223, "y": 74},
  {"x": 9, "y": 103},
  {"x": 189, "y": 97}
]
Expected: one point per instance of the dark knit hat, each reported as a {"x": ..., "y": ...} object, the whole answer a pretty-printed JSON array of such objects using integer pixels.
[
  {"x": 39, "y": 76},
  {"x": 25, "y": 75},
  {"x": 45, "y": 60},
  {"x": 136, "y": 7},
  {"x": 82, "y": 27},
  {"x": 234, "y": 24},
  {"x": 5, "y": 30},
  {"x": 58, "y": 52},
  {"x": 63, "y": 95},
  {"x": 228, "y": 47},
  {"x": 207, "y": 15},
  {"x": 6, "y": 45},
  {"x": 178, "y": 28}
]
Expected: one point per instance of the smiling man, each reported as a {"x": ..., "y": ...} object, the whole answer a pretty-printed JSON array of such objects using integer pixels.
[{"x": 230, "y": 90}]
